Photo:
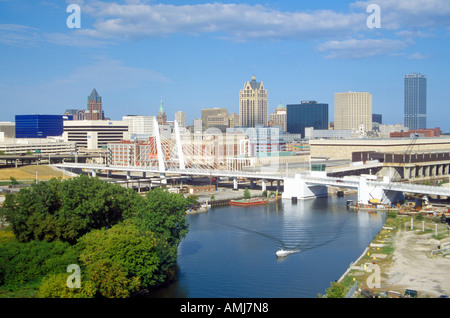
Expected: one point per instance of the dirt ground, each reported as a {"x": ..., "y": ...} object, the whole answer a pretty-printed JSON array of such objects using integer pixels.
[{"x": 412, "y": 268}]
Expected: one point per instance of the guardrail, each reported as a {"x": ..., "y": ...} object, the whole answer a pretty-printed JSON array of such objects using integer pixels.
[
  {"x": 193, "y": 171},
  {"x": 351, "y": 291},
  {"x": 394, "y": 186},
  {"x": 444, "y": 251}
]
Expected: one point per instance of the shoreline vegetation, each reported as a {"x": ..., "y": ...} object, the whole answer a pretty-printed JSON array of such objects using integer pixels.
[{"x": 119, "y": 242}]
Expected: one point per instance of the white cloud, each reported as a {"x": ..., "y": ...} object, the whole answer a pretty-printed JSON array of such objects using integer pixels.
[
  {"x": 113, "y": 74},
  {"x": 106, "y": 23},
  {"x": 235, "y": 21},
  {"x": 354, "y": 48},
  {"x": 19, "y": 35},
  {"x": 75, "y": 38},
  {"x": 417, "y": 56}
]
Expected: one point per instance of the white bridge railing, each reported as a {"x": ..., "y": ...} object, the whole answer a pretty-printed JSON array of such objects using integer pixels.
[{"x": 328, "y": 181}]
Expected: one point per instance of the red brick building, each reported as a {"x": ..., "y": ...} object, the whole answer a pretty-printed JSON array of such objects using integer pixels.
[{"x": 429, "y": 132}]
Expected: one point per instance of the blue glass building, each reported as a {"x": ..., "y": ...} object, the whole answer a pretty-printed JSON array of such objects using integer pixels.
[
  {"x": 415, "y": 101},
  {"x": 377, "y": 118},
  {"x": 39, "y": 126},
  {"x": 306, "y": 114}
]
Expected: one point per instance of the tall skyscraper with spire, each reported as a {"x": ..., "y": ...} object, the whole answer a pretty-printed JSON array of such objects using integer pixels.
[
  {"x": 94, "y": 111},
  {"x": 253, "y": 104},
  {"x": 415, "y": 101},
  {"x": 161, "y": 118}
]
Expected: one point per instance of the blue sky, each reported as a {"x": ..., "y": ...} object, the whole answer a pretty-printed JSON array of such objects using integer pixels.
[{"x": 199, "y": 54}]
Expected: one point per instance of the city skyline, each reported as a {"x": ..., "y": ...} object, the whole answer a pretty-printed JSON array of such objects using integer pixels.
[{"x": 201, "y": 59}]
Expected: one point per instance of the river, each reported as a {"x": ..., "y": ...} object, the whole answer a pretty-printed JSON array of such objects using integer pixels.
[{"x": 229, "y": 251}]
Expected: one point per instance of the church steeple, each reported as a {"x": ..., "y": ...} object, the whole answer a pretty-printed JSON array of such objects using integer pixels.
[
  {"x": 161, "y": 117},
  {"x": 161, "y": 107}
]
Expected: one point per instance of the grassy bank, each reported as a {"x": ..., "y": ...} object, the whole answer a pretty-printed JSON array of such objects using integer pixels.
[{"x": 29, "y": 173}]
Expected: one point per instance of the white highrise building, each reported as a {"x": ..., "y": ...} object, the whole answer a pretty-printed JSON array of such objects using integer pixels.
[
  {"x": 180, "y": 117},
  {"x": 353, "y": 109},
  {"x": 140, "y": 127}
]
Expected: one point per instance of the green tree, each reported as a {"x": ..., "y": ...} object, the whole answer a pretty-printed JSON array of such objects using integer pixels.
[
  {"x": 336, "y": 290},
  {"x": 110, "y": 280},
  {"x": 30, "y": 211},
  {"x": 121, "y": 240},
  {"x": 21, "y": 263},
  {"x": 120, "y": 259},
  {"x": 66, "y": 210},
  {"x": 192, "y": 199},
  {"x": 247, "y": 194},
  {"x": 55, "y": 286},
  {"x": 164, "y": 214}
]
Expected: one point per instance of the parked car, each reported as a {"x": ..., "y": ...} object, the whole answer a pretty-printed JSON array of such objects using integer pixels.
[{"x": 410, "y": 293}]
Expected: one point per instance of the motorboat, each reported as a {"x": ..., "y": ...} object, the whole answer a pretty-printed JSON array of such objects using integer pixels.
[{"x": 282, "y": 252}]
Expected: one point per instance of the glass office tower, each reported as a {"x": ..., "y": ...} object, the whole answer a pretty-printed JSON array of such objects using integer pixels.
[
  {"x": 415, "y": 101},
  {"x": 39, "y": 126},
  {"x": 306, "y": 114}
]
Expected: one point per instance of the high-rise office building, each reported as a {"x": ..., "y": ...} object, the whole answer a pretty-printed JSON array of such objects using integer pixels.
[
  {"x": 415, "y": 101},
  {"x": 39, "y": 126},
  {"x": 234, "y": 120},
  {"x": 377, "y": 118},
  {"x": 95, "y": 134},
  {"x": 7, "y": 130},
  {"x": 278, "y": 118},
  {"x": 353, "y": 109},
  {"x": 253, "y": 104},
  {"x": 214, "y": 117},
  {"x": 94, "y": 111},
  {"x": 180, "y": 117},
  {"x": 306, "y": 114},
  {"x": 140, "y": 127}
]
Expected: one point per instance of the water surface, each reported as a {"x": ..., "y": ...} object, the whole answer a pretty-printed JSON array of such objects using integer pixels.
[{"x": 230, "y": 251}]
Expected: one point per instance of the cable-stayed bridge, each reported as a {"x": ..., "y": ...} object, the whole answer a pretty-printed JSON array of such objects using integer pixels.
[{"x": 215, "y": 154}]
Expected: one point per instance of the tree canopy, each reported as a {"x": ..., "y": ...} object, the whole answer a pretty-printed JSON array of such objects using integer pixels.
[
  {"x": 163, "y": 214},
  {"x": 122, "y": 241},
  {"x": 66, "y": 210}
]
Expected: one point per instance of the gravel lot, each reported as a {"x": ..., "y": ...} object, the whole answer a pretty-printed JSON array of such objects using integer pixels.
[{"x": 413, "y": 268}]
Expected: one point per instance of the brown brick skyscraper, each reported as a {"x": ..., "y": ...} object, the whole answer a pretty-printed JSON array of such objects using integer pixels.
[{"x": 94, "y": 111}]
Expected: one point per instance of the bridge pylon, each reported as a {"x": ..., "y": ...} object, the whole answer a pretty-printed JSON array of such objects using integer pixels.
[
  {"x": 159, "y": 151},
  {"x": 298, "y": 188},
  {"x": 377, "y": 193}
]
